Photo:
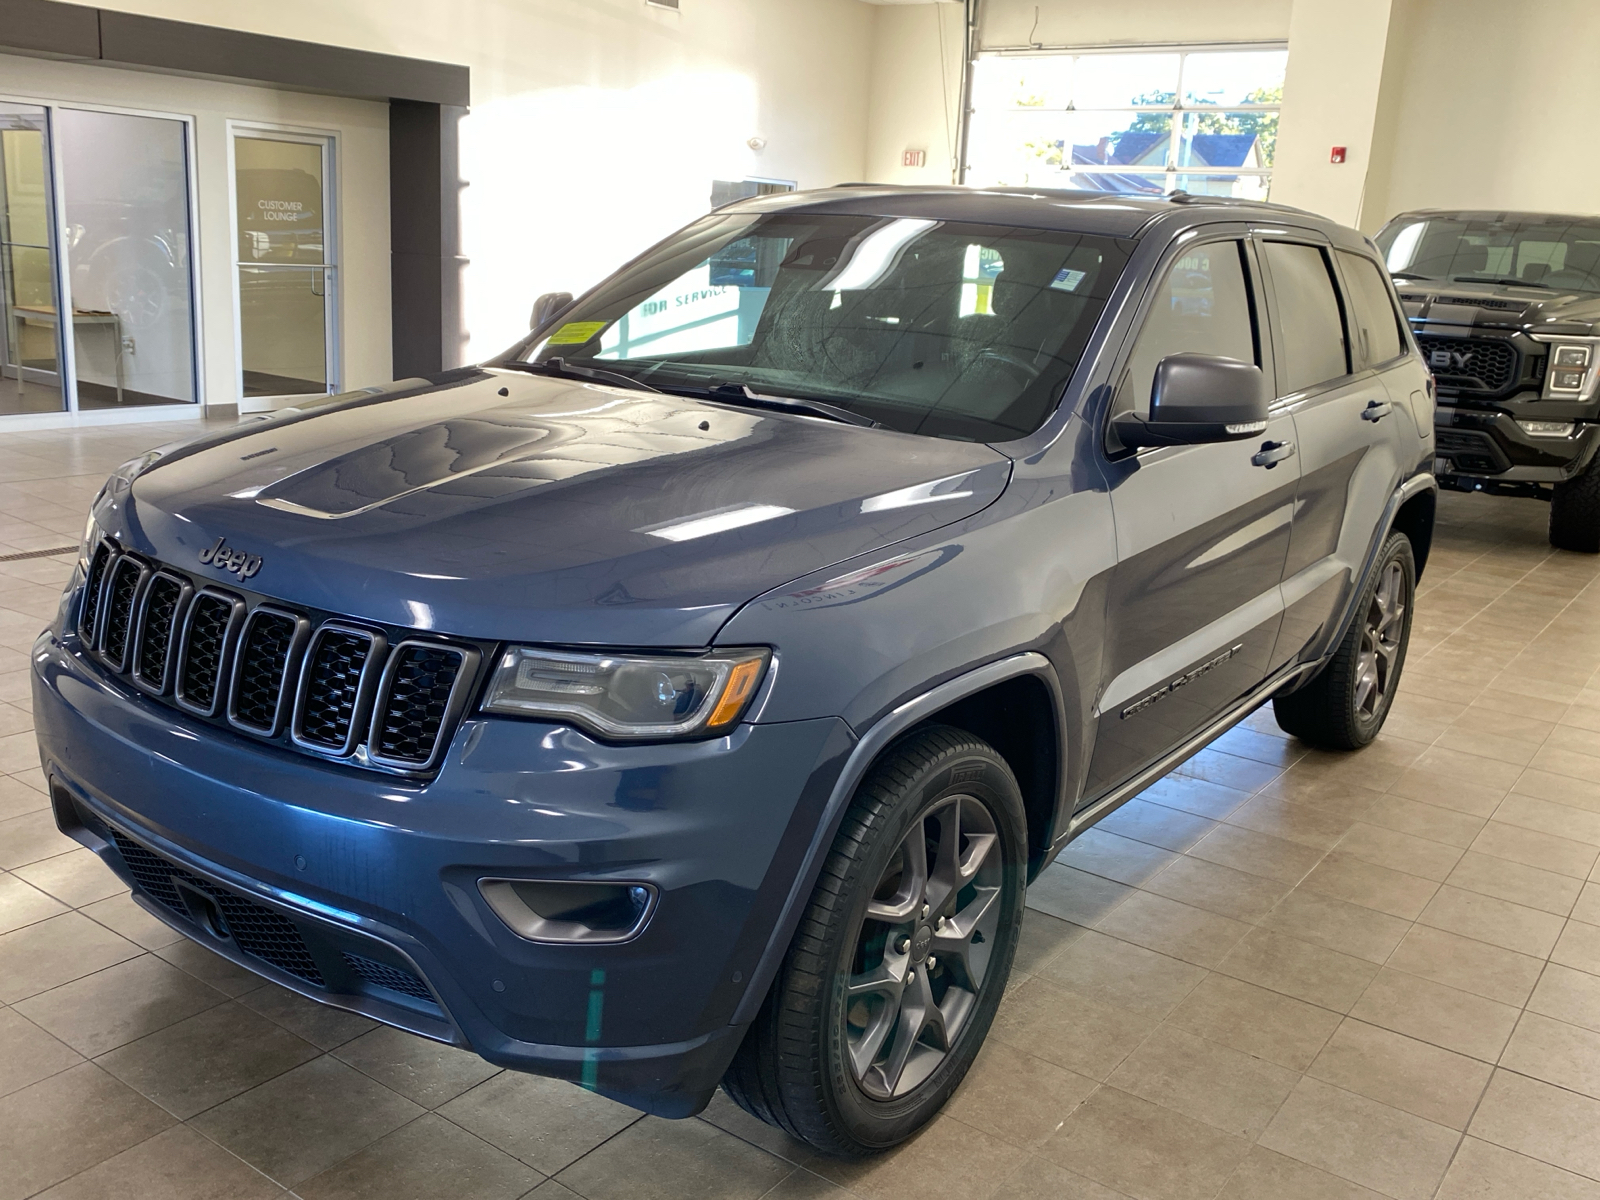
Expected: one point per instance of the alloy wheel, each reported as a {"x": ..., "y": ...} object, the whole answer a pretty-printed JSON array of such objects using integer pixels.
[
  {"x": 922, "y": 954},
  {"x": 1380, "y": 641}
]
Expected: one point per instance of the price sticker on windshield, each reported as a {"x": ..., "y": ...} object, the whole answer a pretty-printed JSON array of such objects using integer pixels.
[{"x": 575, "y": 333}]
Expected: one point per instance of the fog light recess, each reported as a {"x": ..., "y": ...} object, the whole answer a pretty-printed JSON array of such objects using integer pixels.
[{"x": 569, "y": 912}]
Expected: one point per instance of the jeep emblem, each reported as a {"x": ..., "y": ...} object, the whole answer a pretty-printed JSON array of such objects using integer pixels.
[
  {"x": 241, "y": 564},
  {"x": 1446, "y": 359}
]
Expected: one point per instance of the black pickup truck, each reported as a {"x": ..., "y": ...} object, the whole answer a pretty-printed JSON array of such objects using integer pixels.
[{"x": 1506, "y": 307}]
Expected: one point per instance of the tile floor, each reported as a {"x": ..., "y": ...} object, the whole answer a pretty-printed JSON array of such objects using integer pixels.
[{"x": 1278, "y": 975}]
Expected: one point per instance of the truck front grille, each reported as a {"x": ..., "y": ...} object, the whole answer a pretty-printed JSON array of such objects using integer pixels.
[
  {"x": 1484, "y": 366},
  {"x": 306, "y": 681}
]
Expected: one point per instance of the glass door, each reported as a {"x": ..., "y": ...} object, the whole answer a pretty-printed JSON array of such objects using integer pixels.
[
  {"x": 30, "y": 341},
  {"x": 284, "y": 265}
]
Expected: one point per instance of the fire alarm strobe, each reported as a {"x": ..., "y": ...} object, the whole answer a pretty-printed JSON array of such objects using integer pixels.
[{"x": 1337, "y": 156}]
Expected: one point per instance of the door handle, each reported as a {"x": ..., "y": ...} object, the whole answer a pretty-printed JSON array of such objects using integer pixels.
[
  {"x": 1271, "y": 454},
  {"x": 1376, "y": 410}
]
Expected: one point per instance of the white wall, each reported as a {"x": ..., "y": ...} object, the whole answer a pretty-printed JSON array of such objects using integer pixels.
[
  {"x": 597, "y": 126},
  {"x": 1132, "y": 22},
  {"x": 362, "y": 129}
]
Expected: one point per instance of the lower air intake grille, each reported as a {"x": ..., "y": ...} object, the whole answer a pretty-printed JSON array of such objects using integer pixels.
[
  {"x": 255, "y": 928},
  {"x": 119, "y": 609},
  {"x": 333, "y": 686},
  {"x": 417, "y": 702},
  {"x": 155, "y": 637},
  {"x": 383, "y": 975},
  {"x": 263, "y": 659},
  {"x": 200, "y": 674}
]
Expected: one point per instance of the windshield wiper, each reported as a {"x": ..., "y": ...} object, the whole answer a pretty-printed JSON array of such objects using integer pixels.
[
  {"x": 1503, "y": 280},
  {"x": 564, "y": 370},
  {"x": 1410, "y": 275},
  {"x": 738, "y": 393}
]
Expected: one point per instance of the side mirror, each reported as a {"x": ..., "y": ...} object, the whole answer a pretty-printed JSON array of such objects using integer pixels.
[
  {"x": 547, "y": 306},
  {"x": 1198, "y": 398}
]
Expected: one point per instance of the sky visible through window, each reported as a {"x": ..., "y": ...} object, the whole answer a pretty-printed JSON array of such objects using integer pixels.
[{"x": 1136, "y": 122}]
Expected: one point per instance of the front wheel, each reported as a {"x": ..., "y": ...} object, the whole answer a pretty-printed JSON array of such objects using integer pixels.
[
  {"x": 901, "y": 957},
  {"x": 1345, "y": 705},
  {"x": 1575, "y": 511}
]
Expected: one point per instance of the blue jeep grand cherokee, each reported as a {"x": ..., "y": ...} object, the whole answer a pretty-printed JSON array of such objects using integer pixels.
[{"x": 687, "y": 696}]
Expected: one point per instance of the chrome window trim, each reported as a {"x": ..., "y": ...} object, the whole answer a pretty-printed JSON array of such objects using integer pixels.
[
  {"x": 466, "y": 676},
  {"x": 366, "y": 687},
  {"x": 291, "y": 663},
  {"x": 158, "y": 687},
  {"x": 230, "y": 636}
]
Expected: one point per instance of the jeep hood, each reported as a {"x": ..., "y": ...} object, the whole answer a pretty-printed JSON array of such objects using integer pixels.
[{"x": 508, "y": 506}]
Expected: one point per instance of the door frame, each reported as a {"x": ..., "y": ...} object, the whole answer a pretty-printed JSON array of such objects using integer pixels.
[
  {"x": 333, "y": 308},
  {"x": 66, "y": 355}
]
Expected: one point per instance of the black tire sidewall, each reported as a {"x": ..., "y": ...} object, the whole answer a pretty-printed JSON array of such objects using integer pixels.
[
  {"x": 1398, "y": 549},
  {"x": 970, "y": 771}
]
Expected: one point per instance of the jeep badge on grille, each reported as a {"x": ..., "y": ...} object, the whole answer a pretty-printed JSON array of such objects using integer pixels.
[{"x": 241, "y": 564}]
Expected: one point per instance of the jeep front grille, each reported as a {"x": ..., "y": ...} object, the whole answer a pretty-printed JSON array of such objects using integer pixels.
[{"x": 312, "y": 682}]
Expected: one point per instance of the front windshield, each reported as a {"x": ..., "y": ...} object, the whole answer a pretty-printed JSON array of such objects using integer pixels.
[
  {"x": 1552, "y": 252},
  {"x": 933, "y": 327}
]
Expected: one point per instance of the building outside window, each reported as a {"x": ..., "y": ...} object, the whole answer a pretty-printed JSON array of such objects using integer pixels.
[{"x": 1144, "y": 121}]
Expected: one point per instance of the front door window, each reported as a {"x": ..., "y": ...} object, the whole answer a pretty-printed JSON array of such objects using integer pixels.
[{"x": 284, "y": 265}]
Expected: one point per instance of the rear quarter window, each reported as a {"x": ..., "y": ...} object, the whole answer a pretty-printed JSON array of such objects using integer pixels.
[{"x": 1374, "y": 322}]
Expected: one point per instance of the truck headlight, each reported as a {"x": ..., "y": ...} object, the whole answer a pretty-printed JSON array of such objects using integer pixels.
[
  {"x": 1572, "y": 356},
  {"x": 1547, "y": 429},
  {"x": 630, "y": 697}
]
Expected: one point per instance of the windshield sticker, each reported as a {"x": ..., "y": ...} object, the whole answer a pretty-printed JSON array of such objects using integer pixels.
[
  {"x": 1068, "y": 281},
  {"x": 575, "y": 333}
]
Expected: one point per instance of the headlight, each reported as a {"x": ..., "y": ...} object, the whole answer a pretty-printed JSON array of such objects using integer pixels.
[
  {"x": 1572, "y": 356},
  {"x": 86, "y": 544},
  {"x": 628, "y": 696}
]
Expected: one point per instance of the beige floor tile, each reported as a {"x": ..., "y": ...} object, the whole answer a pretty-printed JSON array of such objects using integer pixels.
[
  {"x": 1559, "y": 761},
  {"x": 208, "y": 1058},
  {"x": 428, "y": 1158},
  {"x": 1299, "y": 823},
  {"x": 32, "y": 836},
  {"x": 122, "y": 914},
  {"x": 1337, "y": 924},
  {"x": 1361, "y": 1140},
  {"x": 1541, "y": 1121},
  {"x": 76, "y": 878},
  {"x": 305, "y": 1120},
  {"x": 67, "y": 1123},
  {"x": 1401, "y": 851},
  {"x": 176, "y": 1164},
  {"x": 1476, "y": 799},
  {"x": 1211, "y": 800},
  {"x": 1039, "y": 1179},
  {"x": 1405, "y": 1073},
  {"x": 1041, "y": 938},
  {"x": 1548, "y": 891},
  {"x": 689, "y": 1160},
  {"x": 1230, "y": 770},
  {"x": 1235, "y": 1092},
  {"x": 1146, "y": 821},
  {"x": 1111, "y": 971},
  {"x": 1468, "y": 964},
  {"x": 1562, "y": 789},
  {"x": 1424, "y": 820},
  {"x": 1484, "y": 719},
  {"x": 1179, "y": 930},
  {"x": 1311, "y": 785},
  {"x": 1016, "y": 1096},
  {"x": 1484, "y": 1171},
  {"x": 1447, "y": 763},
  {"x": 29, "y": 1054},
  {"x": 23, "y": 904},
  {"x": 1116, "y": 858},
  {"x": 1068, "y": 1029},
  {"x": 1257, "y": 1021},
  {"x": 1299, "y": 969},
  {"x": 1267, "y": 1175},
  {"x": 423, "y": 1071},
  {"x": 1438, "y": 1014},
  {"x": 1556, "y": 1052},
  {"x": 322, "y": 1026},
  {"x": 58, "y": 950},
  {"x": 1549, "y": 853},
  {"x": 1256, "y": 853},
  {"x": 1145, "y": 1150},
  {"x": 1568, "y": 995},
  {"x": 1073, "y": 895},
  {"x": 1267, "y": 744},
  {"x": 211, "y": 968},
  {"x": 1587, "y": 907},
  {"x": 1545, "y": 816},
  {"x": 119, "y": 1004},
  {"x": 1218, "y": 889},
  {"x": 547, "y": 1123},
  {"x": 1513, "y": 751},
  {"x": 1488, "y": 919},
  {"x": 1346, "y": 877},
  {"x": 1579, "y": 946}
]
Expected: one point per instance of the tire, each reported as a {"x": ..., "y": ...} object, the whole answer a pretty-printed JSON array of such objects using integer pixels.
[
  {"x": 1575, "y": 511},
  {"x": 838, "y": 1070},
  {"x": 1345, "y": 705}
]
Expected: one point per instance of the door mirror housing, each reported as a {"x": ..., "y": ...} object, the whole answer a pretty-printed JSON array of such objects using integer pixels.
[
  {"x": 1197, "y": 398},
  {"x": 547, "y": 306}
]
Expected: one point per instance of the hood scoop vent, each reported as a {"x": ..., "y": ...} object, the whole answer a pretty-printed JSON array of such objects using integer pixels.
[{"x": 1484, "y": 302}]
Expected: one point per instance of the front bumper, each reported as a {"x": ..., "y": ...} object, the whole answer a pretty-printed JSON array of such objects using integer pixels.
[
  {"x": 386, "y": 870},
  {"x": 1486, "y": 443}
]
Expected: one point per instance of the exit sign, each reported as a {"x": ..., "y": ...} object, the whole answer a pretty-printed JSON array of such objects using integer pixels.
[{"x": 914, "y": 158}]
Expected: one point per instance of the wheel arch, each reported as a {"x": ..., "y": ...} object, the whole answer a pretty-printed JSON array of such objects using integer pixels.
[{"x": 1415, "y": 520}]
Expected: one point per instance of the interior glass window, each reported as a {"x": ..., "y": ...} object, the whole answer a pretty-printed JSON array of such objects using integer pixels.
[
  {"x": 1202, "y": 305},
  {"x": 1377, "y": 327},
  {"x": 1311, "y": 325}
]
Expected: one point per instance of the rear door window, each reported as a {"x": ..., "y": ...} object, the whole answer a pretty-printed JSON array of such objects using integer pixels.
[
  {"x": 1202, "y": 305},
  {"x": 1373, "y": 319},
  {"x": 1309, "y": 323}
]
